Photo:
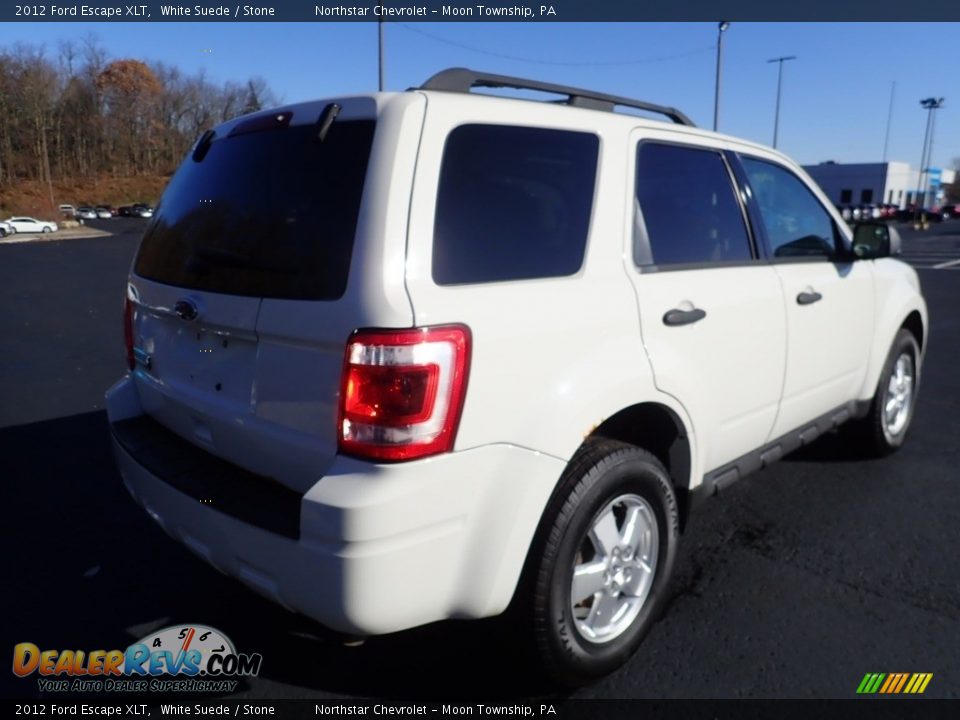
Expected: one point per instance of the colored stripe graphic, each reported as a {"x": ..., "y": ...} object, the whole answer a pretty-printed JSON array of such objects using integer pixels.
[
  {"x": 903, "y": 680},
  {"x": 894, "y": 683},
  {"x": 891, "y": 680},
  {"x": 870, "y": 683}
]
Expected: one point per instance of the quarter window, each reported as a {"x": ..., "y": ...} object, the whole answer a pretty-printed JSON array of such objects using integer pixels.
[
  {"x": 688, "y": 212},
  {"x": 513, "y": 203},
  {"x": 797, "y": 224}
]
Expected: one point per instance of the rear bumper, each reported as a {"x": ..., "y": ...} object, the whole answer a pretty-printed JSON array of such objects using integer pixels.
[{"x": 369, "y": 549}]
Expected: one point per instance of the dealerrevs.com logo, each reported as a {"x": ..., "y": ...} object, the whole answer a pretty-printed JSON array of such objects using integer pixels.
[{"x": 187, "y": 658}]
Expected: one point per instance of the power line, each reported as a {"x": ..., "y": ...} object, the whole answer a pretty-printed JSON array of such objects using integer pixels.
[{"x": 537, "y": 61}]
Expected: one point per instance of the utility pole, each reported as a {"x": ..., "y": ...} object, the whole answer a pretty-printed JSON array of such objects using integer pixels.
[
  {"x": 721, "y": 28},
  {"x": 776, "y": 117}
]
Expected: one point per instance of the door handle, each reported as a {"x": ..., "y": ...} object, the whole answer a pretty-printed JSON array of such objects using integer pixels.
[
  {"x": 676, "y": 317},
  {"x": 808, "y": 298}
]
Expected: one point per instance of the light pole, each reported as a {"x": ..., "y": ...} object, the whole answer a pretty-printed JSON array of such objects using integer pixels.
[
  {"x": 380, "y": 59},
  {"x": 776, "y": 117},
  {"x": 886, "y": 136},
  {"x": 933, "y": 129},
  {"x": 721, "y": 28},
  {"x": 930, "y": 104}
]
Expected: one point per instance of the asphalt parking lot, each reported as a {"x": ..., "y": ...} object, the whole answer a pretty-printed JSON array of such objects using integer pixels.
[
  {"x": 937, "y": 248},
  {"x": 793, "y": 584}
]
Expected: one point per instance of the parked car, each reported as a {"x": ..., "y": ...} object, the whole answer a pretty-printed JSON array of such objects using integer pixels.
[
  {"x": 86, "y": 213},
  {"x": 6, "y": 228},
  {"x": 136, "y": 210},
  {"x": 29, "y": 224},
  {"x": 68, "y": 211},
  {"x": 439, "y": 375},
  {"x": 103, "y": 213},
  {"x": 912, "y": 214}
]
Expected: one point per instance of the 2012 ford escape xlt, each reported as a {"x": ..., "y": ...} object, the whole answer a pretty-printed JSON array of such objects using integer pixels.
[{"x": 402, "y": 357}]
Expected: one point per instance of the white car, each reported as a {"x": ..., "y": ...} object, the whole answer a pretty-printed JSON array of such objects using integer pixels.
[
  {"x": 31, "y": 225},
  {"x": 6, "y": 228},
  {"x": 86, "y": 213},
  {"x": 480, "y": 352}
]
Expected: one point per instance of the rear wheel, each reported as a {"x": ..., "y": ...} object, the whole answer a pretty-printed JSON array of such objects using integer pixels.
[
  {"x": 885, "y": 427},
  {"x": 606, "y": 551}
]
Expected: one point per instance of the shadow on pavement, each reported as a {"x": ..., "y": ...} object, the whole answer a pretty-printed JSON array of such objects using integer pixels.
[{"x": 839, "y": 446}]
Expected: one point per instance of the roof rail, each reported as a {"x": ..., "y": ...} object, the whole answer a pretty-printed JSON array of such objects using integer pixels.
[{"x": 463, "y": 80}]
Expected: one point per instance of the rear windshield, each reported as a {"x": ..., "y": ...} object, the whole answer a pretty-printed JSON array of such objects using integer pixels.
[{"x": 265, "y": 213}]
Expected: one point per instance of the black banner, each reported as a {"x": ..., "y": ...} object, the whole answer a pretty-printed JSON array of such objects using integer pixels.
[
  {"x": 121, "y": 706},
  {"x": 100, "y": 11}
]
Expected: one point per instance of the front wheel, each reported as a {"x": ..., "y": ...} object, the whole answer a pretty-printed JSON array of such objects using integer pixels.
[
  {"x": 47, "y": 228},
  {"x": 607, "y": 546},
  {"x": 885, "y": 427}
]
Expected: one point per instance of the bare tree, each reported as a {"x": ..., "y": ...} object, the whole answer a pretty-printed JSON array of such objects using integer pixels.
[{"x": 80, "y": 114}]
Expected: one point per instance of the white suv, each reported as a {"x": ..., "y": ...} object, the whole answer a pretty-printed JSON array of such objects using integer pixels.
[{"x": 402, "y": 357}]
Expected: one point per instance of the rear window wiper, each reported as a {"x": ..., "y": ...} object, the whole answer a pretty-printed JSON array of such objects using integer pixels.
[
  {"x": 203, "y": 146},
  {"x": 329, "y": 114}
]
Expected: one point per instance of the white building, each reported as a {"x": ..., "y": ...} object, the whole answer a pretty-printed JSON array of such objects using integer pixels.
[{"x": 894, "y": 183}]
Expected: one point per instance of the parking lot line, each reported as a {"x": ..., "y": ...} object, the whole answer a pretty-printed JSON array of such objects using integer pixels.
[{"x": 943, "y": 265}]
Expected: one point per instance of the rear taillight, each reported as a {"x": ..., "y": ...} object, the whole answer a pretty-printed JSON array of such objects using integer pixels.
[
  {"x": 128, "y": 331},
  {"x": 402, "y": 392}
]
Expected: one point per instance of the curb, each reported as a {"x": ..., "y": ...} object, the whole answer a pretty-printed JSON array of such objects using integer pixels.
[{"x": 70, "y": 234}]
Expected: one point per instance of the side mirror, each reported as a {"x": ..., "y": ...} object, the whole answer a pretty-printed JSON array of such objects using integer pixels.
[{"x": 875, "y": 240}]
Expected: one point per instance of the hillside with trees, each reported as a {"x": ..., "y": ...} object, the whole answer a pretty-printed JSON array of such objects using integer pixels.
[{"x": 77, "y": 123}]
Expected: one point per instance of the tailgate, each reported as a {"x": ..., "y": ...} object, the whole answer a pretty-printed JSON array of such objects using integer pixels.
[{"x": 261, "y": 215}]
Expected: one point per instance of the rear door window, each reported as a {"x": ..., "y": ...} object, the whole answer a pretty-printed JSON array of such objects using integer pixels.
[
  {"x": 267, "y": 211},
  {"x": 513, "y": 203},
  {"x": 689, "y": 211}
]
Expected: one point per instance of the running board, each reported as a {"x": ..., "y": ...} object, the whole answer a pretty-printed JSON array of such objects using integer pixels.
[{"x": 717, "y": 480}]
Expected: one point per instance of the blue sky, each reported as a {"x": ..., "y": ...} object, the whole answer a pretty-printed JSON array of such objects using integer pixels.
[{"x": 836, "y": 94}]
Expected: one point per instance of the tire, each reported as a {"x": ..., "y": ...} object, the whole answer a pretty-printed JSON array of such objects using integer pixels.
[
  {"x": 605, "y": 485},
  {"x": 883, "y": 430},
  {"x": 46, "y": 228}
]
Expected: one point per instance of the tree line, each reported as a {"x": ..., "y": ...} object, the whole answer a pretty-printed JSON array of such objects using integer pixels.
[{"x": 78, "y": 113}]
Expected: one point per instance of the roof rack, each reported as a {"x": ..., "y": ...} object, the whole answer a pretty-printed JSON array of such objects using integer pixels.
[{"x": 463, "y": 80}]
